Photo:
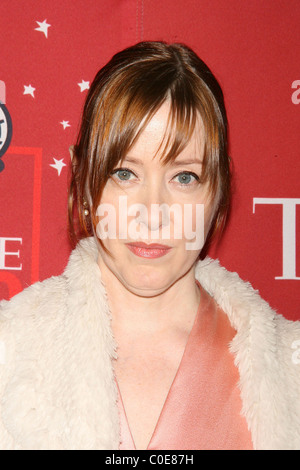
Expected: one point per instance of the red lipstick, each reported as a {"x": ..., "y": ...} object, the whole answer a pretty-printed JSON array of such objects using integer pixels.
[{"x": 152, "y": 250}]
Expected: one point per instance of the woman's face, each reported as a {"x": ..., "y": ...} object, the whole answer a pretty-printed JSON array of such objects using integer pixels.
[{"x": 129, "y": 215}]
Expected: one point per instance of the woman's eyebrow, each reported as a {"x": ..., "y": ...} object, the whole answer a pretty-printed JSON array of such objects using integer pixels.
[
  {"x": 186, "y": 162},
  {"x": 174, "y": 163},
  {"x": 133, "y": 160}
]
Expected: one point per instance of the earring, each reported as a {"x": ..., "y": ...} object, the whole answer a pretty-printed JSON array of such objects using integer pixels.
[{"x": 85, "y": 205}]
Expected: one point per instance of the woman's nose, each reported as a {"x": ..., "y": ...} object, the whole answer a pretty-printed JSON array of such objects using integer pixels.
[{"x": 153, "y": 208}]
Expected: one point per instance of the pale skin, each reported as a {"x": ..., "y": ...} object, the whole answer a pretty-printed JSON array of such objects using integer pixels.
[{"x": 153, "y": 302}]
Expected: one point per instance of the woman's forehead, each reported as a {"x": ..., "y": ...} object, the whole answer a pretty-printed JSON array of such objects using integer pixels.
[{"x": 159, "y": 134}]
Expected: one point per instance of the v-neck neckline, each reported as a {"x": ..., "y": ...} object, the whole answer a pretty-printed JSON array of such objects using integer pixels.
[{"x": 187, "y": 346}]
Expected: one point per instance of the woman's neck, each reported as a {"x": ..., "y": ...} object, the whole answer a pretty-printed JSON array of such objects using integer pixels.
[{"x": 176, "y": 306}]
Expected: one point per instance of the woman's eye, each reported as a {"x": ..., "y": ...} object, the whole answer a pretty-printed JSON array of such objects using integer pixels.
[
  {"x": 123, "y": 174},
  {"x": 185, "y": 178}
]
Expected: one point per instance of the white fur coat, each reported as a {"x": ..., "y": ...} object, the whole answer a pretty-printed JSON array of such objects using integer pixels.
[{"x": 57, "y": 387}]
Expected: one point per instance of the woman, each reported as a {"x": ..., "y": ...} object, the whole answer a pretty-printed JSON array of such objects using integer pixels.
[{"x": 140, "y": 344}]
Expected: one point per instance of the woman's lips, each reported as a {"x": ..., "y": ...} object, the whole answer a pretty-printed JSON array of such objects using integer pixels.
[{"x": 153, "y": 250}]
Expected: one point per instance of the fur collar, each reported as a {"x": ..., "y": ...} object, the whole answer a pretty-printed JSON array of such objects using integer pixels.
[{"x": 62, "y": 393}]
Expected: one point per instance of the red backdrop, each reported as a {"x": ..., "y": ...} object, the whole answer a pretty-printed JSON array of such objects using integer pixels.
[{"x": 50, "y": 52}]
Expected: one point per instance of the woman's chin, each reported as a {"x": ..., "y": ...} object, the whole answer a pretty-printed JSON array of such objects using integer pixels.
[{"x": 147, "y": 286}]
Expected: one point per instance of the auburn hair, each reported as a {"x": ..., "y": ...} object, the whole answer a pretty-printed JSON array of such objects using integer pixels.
[{"x": 122, "y": 99}]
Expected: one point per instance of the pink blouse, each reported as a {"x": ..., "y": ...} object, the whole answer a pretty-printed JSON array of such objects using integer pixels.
[{"x": 202, "y": 410}]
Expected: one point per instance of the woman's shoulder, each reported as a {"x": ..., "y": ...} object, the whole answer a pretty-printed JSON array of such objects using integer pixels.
[
  {"x": 235, "y": 295},
  {"x": 42, "y": 308},
  {"x": 32, "y": 313},
  {"x": 251, "y": 315},
  {"x": 41, "y": 297}
]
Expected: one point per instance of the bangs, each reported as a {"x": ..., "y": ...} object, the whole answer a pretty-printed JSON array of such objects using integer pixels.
[
  {"x": 130, "y": 110},
  {"x": 179, "y": 129},
  {"x": 189, "y": 105}
]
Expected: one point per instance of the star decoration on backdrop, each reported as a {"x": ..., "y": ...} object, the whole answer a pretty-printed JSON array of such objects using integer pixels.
[
  {"x": 65, "y": 124},
  {"x": 43, "y": 27},
  {"x": 58, "y": 165},
  {"x": 29, "y": 90},
  {"x": 83, "y": 85}
]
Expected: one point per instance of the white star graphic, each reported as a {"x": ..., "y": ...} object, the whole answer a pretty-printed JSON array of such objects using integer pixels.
[
  {"x": 84, "y": 85},
  {"x": 65, "y": 124},
  {"x": 58, "y": 165},
  {"x": 43, "y": 27},
  {"x": 29, "y": 90}
]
